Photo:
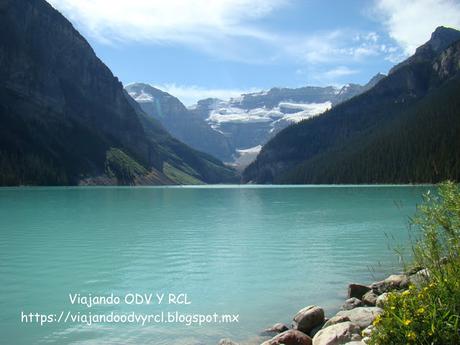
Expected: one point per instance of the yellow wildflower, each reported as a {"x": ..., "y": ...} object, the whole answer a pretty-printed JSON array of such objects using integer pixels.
[
  {"x": 406, "y": 293},
  {"x": 411, "y": 335},
  {"x": 377, "y": 320},
  {"x": 420, "y": 310},
  {"x": 407, "y": 322}
]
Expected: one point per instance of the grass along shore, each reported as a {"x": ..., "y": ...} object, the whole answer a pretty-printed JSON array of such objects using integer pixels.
[{"x": 429, "y": 312}]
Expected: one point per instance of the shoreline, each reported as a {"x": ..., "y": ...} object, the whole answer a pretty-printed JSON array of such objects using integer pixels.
[
  {"x": 216, "y": 186},
  {"x": 352, "y": 324}
]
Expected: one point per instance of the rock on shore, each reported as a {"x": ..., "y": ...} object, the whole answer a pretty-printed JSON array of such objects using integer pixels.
[
  {"x": 351, "y": 303},
  {"x": 361, "y": 316},
  {"x": 308, "y": 318},
  {"x": 340, "y": 333},
  {"x": 357, "y": 290},
  {"x": 352, "y": 325},
  {"x": 291, "y": 337},
  {"x": 276, "y": 328}
]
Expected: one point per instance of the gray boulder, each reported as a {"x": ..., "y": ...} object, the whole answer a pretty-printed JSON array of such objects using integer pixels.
[
  {"x": 381, "y": 300},
  {"x": 335, "y": 320},
  {"x": 370, "y": 298},
  {"x": 308, "y": 318},
  {"x": 398, "y": 281},
  {"x": 291, "y": 337},
  {"x": 420, "y": 277},
  {"x": 316, "y": 329},
  {"x": 276, "y": 328},
  {"x": 337, "y": 334},
  {"x": 357, "y": 290},
  {"x": 352, "y": 303},
  {"x": 366, "y": 333},
  {"x": 361, "y": 316},
  {"x": 393, "y": 282}
]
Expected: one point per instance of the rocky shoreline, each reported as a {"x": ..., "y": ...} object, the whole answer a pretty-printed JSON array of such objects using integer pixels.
[{"x": 352, "y": 325}]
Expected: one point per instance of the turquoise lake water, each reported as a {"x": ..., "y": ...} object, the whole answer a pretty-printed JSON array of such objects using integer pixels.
[{"x": 259, "y": 252}]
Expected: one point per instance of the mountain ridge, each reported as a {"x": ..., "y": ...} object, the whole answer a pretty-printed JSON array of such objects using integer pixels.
[
  {"x": 179, "y": 121},
  {"x": 305, "y": 153},
  {"x": 440, "y": 39}
]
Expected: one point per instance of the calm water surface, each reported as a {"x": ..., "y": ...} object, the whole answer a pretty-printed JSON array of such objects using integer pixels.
[{"x": 260, "y": 252}]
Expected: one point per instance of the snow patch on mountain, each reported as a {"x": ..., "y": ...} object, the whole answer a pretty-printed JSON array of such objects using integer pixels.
[
  {"x": 285, "y": 111},
  {"x": 307, "y": 110},
  {"x": 246, "y": 157},
  {"x": 255, "y": 149},
  {"x": 235, "y": 114},
  {"x": 141, "y": 97}
]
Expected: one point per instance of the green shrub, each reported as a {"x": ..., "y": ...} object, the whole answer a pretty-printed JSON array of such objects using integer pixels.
[
  {"x": 118, "y": 164},
  {"x": 429, "y": 313}
]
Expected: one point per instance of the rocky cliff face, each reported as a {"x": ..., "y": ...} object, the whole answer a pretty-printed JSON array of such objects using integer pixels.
[
  {"x": 180, "y": 122},
  {"x": 62, "y": 109},
  {"x": 440, "y": 39},
  {"x": 448, "y": 62}
]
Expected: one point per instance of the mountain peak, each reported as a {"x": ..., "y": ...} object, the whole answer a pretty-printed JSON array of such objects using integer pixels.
[
  {"x": 443, "y": 31},
  {"x": 441, "y": 38},
  {"x": 143, "y": 92},
  {"x": 374, "y": 80}
]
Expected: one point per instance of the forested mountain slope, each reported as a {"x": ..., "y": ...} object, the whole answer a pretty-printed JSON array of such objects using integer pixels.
[
  {"x": 65, "y": 119},
  {"x": 405, "y": 129}
]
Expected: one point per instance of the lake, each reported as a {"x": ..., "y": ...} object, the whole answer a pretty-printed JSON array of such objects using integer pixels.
[{"x": 258, "y": 252}]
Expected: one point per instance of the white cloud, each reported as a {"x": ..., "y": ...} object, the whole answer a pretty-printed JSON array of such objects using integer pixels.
[
  {"x": 185, "y": 21},
  {"x": 226, "y": 29},
  {"x": 411, "y": 23},
  {"x": 190, "y": 94},
  {"x": 339, "y": 71},
  {"x": 337, "y": 46}
]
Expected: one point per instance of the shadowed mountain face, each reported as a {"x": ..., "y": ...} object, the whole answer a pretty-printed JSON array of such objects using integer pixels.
[
  {"x": 404, "y": 129},
  {"x": 67, "y": 120},
  {"x": 180, "y": 122}
]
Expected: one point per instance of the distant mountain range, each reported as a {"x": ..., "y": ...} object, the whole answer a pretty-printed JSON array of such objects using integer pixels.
[
  {"x": 235, "y": 130},
  {"x": 406, "y": 129},
  {"x": 65, "y": 119}
]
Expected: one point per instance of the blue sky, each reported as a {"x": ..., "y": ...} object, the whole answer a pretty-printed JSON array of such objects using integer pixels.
[{"x": 203, "y": 48}]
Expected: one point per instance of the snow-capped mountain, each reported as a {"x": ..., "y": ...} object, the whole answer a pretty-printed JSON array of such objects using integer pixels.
[
  {"x": 251, "y": 120},
  {"x": 235, "y": 130}
]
